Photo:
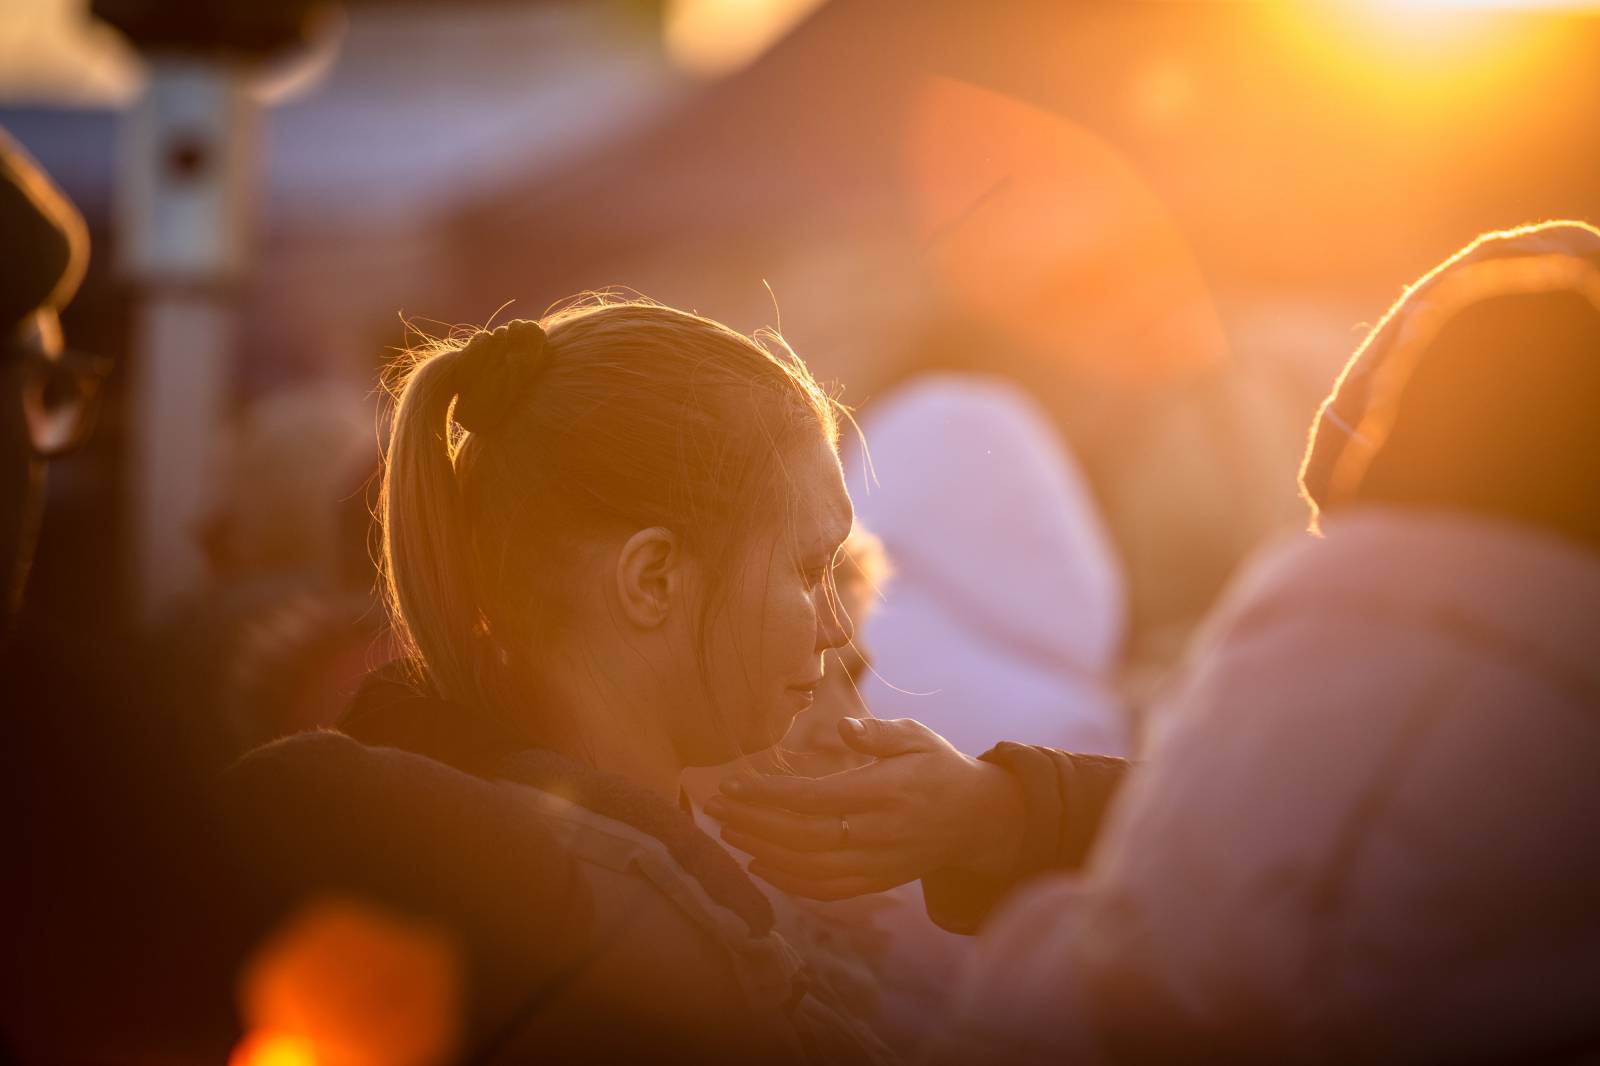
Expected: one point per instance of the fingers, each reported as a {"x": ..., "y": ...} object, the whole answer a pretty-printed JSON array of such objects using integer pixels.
[
  {"x": 811, "y": 865},
  {"x": 831, "y": 889},
  {"x": 822, "y": 865},
  {"x": 836, "y": 794},
  {"x": 796, "y": 832},
  {"x": 884, "y": 738}
]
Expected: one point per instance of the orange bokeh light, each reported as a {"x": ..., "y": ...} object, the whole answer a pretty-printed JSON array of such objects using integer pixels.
[
  {"x": 1048, "y": 233},
  {"x": 348, "y": 984},
  {"x": 265, "y": 1048}
]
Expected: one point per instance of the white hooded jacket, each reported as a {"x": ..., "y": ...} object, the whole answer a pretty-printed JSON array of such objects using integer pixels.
[{"x": 1367, "y": 831}]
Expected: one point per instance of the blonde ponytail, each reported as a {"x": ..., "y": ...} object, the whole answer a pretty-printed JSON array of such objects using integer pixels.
[{"x": 427, "y": 546}]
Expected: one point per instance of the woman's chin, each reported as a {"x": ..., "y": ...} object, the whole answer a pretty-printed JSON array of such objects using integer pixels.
[
  {"x": 777, "y": 728},
  {"x": 755, "y": 740}
]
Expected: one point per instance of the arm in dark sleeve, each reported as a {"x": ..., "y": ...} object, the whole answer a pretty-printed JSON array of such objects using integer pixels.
[{"x": 1065, "y": 798}]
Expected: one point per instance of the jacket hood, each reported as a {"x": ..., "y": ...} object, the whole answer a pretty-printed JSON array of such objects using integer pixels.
[
  {"x": 1341, "y": 415},
  {"x": 1006, "y": 613},
  {"x": 977, "y": 500}
]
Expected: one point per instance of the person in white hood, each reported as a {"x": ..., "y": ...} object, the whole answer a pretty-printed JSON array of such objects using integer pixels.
[
  {"x": 1365, "y": 832},
  {"x": 1006, "y": 616}
]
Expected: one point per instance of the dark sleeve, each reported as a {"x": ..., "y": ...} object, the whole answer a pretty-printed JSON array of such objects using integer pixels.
[{"x": 1065, "y": 798}]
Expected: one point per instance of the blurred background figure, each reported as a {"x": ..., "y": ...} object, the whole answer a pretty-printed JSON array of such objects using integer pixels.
[
  {"x": 288, "y": 622},
  {"x": 290, "y": 462},
  {"x": 1007, "y": 614}
]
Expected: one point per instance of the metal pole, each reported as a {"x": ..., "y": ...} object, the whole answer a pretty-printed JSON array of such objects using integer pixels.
[{"x": 188, "y": 169}]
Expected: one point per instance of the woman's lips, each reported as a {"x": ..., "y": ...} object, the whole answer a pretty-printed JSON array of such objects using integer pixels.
[{"x": 806, "y": 690}]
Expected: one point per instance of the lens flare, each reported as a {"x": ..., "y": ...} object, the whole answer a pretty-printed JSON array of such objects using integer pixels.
[
  {"x": 345, "y": 983},
  {"x": 265, "y": 1048}
]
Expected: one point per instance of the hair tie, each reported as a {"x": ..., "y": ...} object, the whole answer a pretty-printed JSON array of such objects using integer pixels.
[{"x": 495, "y": 369}]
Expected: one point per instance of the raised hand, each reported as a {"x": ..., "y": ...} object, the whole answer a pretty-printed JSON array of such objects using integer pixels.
[{"x": 920, "y": 807}]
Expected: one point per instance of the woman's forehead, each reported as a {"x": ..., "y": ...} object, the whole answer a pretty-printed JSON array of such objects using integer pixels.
[{"x": 820, "y": 510}]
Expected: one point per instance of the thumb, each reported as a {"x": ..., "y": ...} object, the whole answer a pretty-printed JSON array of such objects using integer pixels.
[{"x": 885, "y": 737}]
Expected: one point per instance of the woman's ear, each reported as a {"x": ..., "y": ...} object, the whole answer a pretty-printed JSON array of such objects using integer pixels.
[{"x": 648, "y": 576}]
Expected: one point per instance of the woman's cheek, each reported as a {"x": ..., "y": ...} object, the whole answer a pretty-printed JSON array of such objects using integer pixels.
[
  {"x": 808, "y": 617},
  {"x": 793, "y": 613}
]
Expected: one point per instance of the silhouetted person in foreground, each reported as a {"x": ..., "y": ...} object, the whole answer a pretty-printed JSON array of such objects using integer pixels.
[
  {"x": 96, "y": 803},
  {"x": 136, "y": 895},
  {"x": 47, "y": 392},
  {"x": 1364, "y": 831}
]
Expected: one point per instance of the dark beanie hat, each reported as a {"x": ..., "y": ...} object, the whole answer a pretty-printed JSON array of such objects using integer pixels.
[{"x": 44, "y": 245}]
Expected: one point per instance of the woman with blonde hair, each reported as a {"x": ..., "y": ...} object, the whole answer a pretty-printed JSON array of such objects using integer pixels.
[{"x": 608, "y": 540}]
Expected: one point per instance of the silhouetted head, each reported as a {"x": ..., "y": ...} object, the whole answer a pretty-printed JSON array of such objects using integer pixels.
[
  {"x": 1477, "y": 390},
  {"x": 625, "y": 490},
  {"x": 43, "y": 250}
]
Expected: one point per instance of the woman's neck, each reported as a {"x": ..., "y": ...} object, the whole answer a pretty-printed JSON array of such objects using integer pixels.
[
  {"x": 654, "y": 766},
  {"x": 610, "y": 726}
]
